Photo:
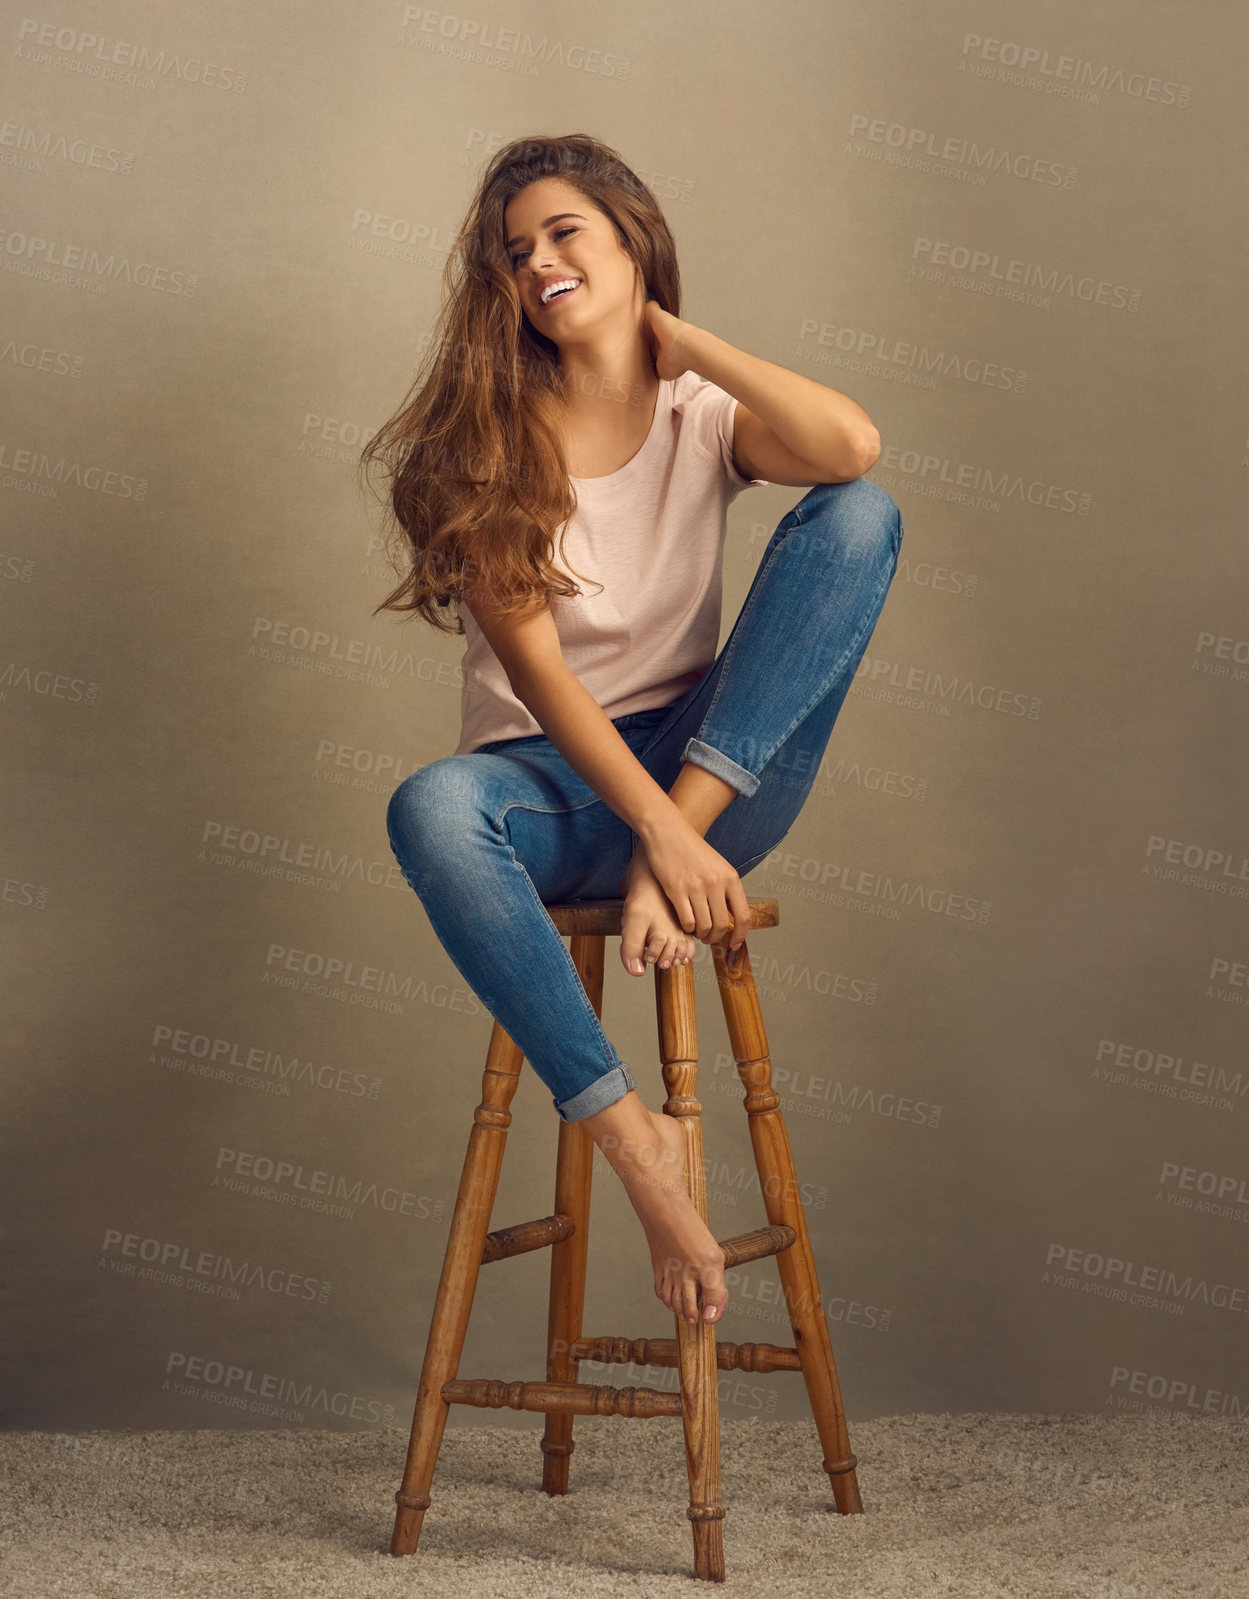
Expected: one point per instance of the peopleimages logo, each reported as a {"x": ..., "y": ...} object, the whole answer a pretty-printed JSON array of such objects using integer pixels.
[
  {"x": 17, "y": 891},
  {"x": 1117, "y": 1276},
  {"x": 471, "y": 38},
  {"x": 46, "y": 682},
  {"x": 356, "y": 983},
  {"x": 167, "y": 1261},
  {"x": 879, "y": 892},
  {"x": 1033, "y": 66},
  {"x": 1159, "y": 1072},
  {"x": 244, "y": 1388},
  {"x": 35, "y": 256},
  {"x": 55, "y": 472},
  {"x": 981, "y": 487},
  {"x": 331, "y": 431},
  {"x": 397, "y": 230},
  {"x": 364, "y": 762},
  {"x": 1207, "y": 865},
  {"x": 333, "y": 655},
  {"x": 34, "y": 146},
  {"x": 884, "y": 349},
  {"x": 875, "y": 677},
  {"x": 222, "y": 842},
  {"x": 1017, "y": 278},
  {"x": 1235, "y": 974},
  {"x": 202, "y": 1055},
  {"x": 1221, "y": 1194},
  {"x": 922, "y": 147},
  {"x": 42, "y": 358},
  {"x": 239, "y": 1169},
  {"x": 98, "y": 56},
  {"x": 1176, "y": 1390},
  {"x": 1221, "y": 655}
]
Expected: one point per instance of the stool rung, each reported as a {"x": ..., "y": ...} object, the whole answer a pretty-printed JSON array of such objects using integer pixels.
[
  {"x": 604, "y": 918},
  {"x": 570, "y": 1398},
  {"x": 526, "y": 1235},
  {"x": 663, "y": 1352},
  {"x": 754, "y": 1246}
]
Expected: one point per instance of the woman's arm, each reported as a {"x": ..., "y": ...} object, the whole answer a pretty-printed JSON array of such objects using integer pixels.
[
  {"x": 690, "y": 871},
  {"x": 582, "y": 732},
  {"x": 790, "y": 429},
  {"x": 687, "y": 867}
]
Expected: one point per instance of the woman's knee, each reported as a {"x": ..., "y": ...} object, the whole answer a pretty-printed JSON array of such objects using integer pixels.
[
  {"x": 430, "y": 808},
  {"x": 858, "y": 513}
]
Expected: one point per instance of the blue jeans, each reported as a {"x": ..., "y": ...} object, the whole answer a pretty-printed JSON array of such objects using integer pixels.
[{"x": 486, "y": 838}]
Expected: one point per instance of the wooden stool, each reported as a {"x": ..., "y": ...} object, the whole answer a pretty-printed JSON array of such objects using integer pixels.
[{"x": 695, "y": 1350}]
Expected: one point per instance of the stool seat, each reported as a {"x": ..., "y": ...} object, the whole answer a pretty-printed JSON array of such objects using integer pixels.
[{"x": 695, "y": 1350}]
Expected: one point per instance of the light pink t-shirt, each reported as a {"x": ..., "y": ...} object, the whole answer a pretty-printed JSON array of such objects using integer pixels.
[{"x": 653, "y": 535}]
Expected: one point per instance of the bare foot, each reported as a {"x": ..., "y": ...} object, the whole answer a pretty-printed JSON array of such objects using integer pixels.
[
  {"x": 649, "y": 931},
  {"x": 646, "y": 1149}
]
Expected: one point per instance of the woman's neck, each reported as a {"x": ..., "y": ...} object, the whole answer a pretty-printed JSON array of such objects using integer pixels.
[
  {"x": 604, "y": 429},
  {"x": 604, "y": 375}
]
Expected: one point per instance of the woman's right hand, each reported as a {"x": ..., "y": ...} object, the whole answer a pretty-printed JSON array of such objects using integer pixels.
[{"x": 705, "y": 890}]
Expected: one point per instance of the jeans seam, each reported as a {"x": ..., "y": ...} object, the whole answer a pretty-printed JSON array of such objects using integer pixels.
[
  {"x": 757, "y": 860},
  {"x": 545, "y": 810}
]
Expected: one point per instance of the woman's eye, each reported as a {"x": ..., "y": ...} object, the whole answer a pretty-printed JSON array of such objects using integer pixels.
[{"x": 558, "y": 234}]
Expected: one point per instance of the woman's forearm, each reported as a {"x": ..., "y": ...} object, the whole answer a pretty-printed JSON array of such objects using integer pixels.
[
  {"x": 582, "y": 732},
  {"x": 820, "y": 424}
]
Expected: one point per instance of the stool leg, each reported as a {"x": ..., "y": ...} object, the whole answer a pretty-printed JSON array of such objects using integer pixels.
[
  {"x": 696, "y": 1345},
  {"x": 479, "y": 1182},
  {"x": 574, "y": 1165},
  {"x": 775, "y": 1165}
]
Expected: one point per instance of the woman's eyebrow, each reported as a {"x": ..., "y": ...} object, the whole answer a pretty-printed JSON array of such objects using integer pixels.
[{"x": 559, "y": 217}]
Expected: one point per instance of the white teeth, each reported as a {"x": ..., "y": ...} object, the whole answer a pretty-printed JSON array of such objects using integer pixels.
[{"x": 561, "y": 283}]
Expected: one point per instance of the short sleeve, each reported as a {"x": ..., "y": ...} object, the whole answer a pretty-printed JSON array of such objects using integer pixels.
[{"x": 715, "y": 408}]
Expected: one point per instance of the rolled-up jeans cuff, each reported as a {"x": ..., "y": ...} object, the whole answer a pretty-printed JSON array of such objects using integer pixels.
[
  {"x": 719, "y": 765},
  {"x": 604, "y": 1091}
]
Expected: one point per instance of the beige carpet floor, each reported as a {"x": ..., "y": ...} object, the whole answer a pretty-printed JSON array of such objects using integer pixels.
[{"x": 1094, "y": 1507}]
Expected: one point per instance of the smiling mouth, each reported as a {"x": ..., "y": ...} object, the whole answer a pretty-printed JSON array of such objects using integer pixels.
[{"x": 561, "y": 294}]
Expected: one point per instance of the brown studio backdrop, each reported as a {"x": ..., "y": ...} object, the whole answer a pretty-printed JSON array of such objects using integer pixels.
[{"x": 1007, "y": 985}]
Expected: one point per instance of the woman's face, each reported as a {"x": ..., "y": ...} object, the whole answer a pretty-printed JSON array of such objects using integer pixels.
[{"x": 555, "y": 234}]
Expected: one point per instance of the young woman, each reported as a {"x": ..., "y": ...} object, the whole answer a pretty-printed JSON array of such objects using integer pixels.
[{"x": 606, "y": 748}]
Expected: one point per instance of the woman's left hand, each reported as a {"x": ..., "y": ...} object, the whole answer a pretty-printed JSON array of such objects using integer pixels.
[{"x": 666, "y": 333}]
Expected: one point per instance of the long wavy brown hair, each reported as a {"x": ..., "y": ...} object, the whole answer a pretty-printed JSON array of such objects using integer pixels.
[{"x": 473, "y": 468}]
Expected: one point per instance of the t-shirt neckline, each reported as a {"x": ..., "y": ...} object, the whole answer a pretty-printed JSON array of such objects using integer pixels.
[{"x": 663, "y": 406}]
